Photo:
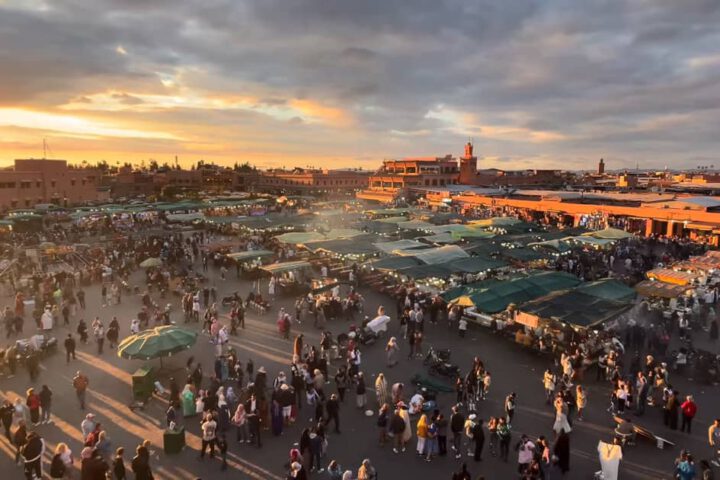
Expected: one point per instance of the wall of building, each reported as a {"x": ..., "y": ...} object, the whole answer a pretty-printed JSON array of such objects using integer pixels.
[{"x": 33, "y": 181}]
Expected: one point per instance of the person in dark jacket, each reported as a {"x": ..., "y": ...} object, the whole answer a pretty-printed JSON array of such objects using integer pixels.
[
  {"x": 32, "y": 455},
  {"x": 19, "y": 438},
  {"x": 457, "y": 424},
  {"x": 333, "y": 412},
  {"x": 397, "y": 427},
  {"x": 141, "y": 464},
  {"x": 94, "y": 467},
  {"x": 6, "y": 416},
  {"x": 118, "y": 465},
  {"x": 479, "y": 438},
  {"x": 561, "y": 450}
]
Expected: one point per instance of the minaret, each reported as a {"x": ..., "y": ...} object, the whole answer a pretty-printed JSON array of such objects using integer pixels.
[
  {"x": 601, "y": 167},
  {"x": 468, "y": 166}
]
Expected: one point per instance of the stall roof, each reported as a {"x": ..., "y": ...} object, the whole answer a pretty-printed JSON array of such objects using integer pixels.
[
  {"x": 394, "y": 263},
  {"x": 443, "y": 237},
  {"x": 576, "y": 308},
  {"x": 496, "y": 222},
  {"x": 446, "y": 254},
  {"x": 610, "y": 234},
  {"x": 608, "y": 289},
  {"x": 652, "y": 288},
  {"x": 523, "y": 254},
  {"x": 276, "y": 268},
  {"x": 477, "y": 264},
  {"x": 360, "y": 245},
  {"x": 415, "y": 225},
  {"x": 250, "y": 254},
  {"x": 400, "y": 245},
  {"x": 672, "y": 276},
  {"x": 521, "y": 290},
  {"x": 426, "y": 271},
  {"x": 300, "y": 237}
]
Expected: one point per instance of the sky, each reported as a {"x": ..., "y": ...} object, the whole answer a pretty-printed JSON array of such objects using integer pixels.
[{"x": 278, "y": 83}]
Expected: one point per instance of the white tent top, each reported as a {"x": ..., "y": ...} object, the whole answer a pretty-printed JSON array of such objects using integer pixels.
[
  {"x": 390, "y": 247},
  {"x": 434, "y": 256}
]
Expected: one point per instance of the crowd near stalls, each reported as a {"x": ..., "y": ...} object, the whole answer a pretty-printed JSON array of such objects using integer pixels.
[{"x": 595, "y": 303}]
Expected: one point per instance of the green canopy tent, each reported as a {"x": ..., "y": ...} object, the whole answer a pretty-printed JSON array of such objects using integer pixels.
[
  {"x": 576, "y": 308},
  {"x": 477, "y": 264},
  {"x": 156, "y": 342},
  {"x": 521, "y": 290},
  {"x": 608, "y": 289},
  {"x": 393, "y": 263}
]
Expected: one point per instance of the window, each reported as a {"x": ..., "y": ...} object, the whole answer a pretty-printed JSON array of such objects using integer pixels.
[
  {"x": 52, "y": 183},
  {"x": 72, "y": 183},
  {"x": 27, "y": 202},
  {"x": 37, "y": 184}
]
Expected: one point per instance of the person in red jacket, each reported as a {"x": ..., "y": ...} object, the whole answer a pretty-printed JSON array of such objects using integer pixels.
[
  {"x": 689, "y": 409},
  {"x": 33, "y": 403}
]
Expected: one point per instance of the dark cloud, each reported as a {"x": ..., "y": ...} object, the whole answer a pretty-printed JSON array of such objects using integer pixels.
[{"x": 602, "y": 77}]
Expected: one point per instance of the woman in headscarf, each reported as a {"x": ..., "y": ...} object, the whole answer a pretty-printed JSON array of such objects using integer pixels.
[
  {"x": 366, "y": 471},
  {"x": 422, "y": 433},
  {"x": 187, "y": 399},
  {"x": 381, "y": 389},
  {"x": 392, "y": 350},
  {"x": 561, "y": 409},
  {"x": 305, "y": 449}
]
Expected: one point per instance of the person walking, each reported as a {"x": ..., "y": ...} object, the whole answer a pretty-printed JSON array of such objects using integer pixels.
[
  {"x": 714, "y": 441},
  {"x": 32, "y": 400},
  {"x": 510, "y": 407},
  {"x": 561, "y": 450},
  {"x": 69, "y": 348},
  {"x": 45, "y": 404},
  {"x": 581, "y": 401},
  {"x": 32, "y": 453},
  {"x": 479, "y": 438},
  {"x": 381, "y": 389},
  {"x": 688, "y": 409},
  {"x": 526, "y": 453},
  {"x": 504, "y": 436},
  {"x": 332, "y": 407},
  {"x": 457, "y": 424},
  {"x": 118, "y": 465},
  {"x": 392, "y": 350},
  {"x": 397, "y": 429},
  {"x": 141, "y": 464},
  {"x": 209, "y": 439},
  {"x": 80, "y": 384}
]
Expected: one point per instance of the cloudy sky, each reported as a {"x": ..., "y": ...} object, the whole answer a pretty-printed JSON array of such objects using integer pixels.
[{"x": 535, "y": 83}]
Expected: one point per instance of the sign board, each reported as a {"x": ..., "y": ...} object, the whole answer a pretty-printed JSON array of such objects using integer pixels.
[{"x": 527, "y": 319}]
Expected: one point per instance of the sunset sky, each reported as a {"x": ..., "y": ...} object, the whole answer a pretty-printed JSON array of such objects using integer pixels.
[{"x": 535, "y": 83}]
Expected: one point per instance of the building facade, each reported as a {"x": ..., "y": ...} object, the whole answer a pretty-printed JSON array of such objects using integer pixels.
[
  {"x": 35, "y": 181},
  {"x": 311, "y": 181},
  {"x": 399, "y": 178}
]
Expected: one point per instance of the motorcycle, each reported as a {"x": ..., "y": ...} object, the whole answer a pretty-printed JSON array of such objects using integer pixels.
[
  {"x": 432, "y": 354},
  {"x": 229, "y": 300},
  {"x": 439, "y": 366}
]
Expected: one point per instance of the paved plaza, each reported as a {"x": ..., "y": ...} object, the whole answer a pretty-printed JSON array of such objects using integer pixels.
[{"x": 512, "y": 368}]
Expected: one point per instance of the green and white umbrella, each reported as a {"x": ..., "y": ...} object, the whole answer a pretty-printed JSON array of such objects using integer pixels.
[{"x": 157, "y": 342}]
